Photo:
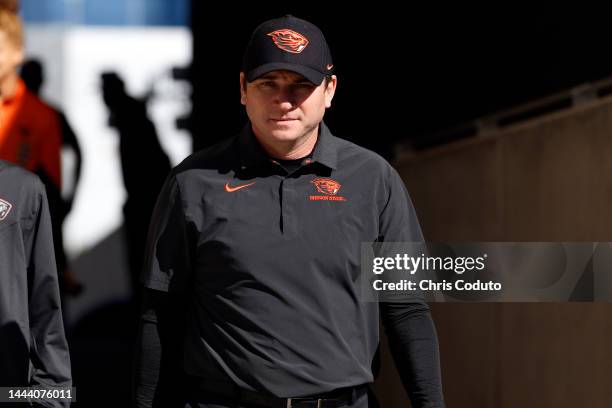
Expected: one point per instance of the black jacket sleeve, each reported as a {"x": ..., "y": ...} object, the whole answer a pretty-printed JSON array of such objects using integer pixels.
[
  {"x": 159, "y": 375},
  {"x": 49, "y": 350},
  {"x": 412, "y": 335}
]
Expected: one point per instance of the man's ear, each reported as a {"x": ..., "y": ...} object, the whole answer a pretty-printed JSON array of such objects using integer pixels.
[
  {"x": 330, "y": 91},
  {"x": 242, "y": 88}
]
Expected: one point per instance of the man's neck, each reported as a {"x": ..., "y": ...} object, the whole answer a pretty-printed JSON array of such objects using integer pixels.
[
  {"x": 8, "y": 86},
  {"x": 291, "y": 150}
]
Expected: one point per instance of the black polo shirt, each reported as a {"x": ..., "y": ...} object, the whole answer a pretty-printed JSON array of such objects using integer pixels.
[{"x": 268, "y": 262}]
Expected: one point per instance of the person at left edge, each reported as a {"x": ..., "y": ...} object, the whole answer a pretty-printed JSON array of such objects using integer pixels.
[
  {"x": 33, "y": 347},
  {"x": 30, "y": 133}
]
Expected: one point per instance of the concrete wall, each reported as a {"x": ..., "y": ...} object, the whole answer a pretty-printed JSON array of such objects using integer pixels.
[{"x": 547, "y": 179}]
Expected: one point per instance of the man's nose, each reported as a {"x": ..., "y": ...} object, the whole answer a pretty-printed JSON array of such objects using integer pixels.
[{"x": 286, "y": 98}]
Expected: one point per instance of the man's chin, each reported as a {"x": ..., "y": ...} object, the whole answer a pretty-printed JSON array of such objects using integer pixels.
[{"x": 285, "y": 134}]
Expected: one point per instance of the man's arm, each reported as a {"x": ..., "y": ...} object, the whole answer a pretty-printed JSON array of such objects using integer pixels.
[
  {"x": 414, "y": 347},
  {"x": 51, "y": 150},
  {"x": 159, "y": 376},
  {"x": 50, "y": 357},
  {"x": 412, "y": 335}
]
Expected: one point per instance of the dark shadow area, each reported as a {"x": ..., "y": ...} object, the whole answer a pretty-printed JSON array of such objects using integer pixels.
[
  {"x": 103, "y": 335},
  {"x": 404, "y": 72},
  {"x": 101, "y": 350},
  {"x": 144, "y": 165},
  {"x": 14, "y": 356}
]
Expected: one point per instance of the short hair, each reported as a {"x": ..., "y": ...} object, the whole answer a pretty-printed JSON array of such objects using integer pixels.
[{"x": 12, "y": 26}]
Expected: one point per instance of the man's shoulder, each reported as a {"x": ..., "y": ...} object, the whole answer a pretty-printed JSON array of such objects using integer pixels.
[
  {"x": 41, "y": 119},
  {"x": 13, "y": 175},
  {"x": 213, "y": 158},
  {"x": 21, "y": 192},
  {"x": 218, "y": 157},
  {"x": 351, "y": 152},
  {"x": 38, "y": 107}
]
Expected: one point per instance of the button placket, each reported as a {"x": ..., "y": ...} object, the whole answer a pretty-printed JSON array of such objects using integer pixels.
[{"x": 288, "y": 206}]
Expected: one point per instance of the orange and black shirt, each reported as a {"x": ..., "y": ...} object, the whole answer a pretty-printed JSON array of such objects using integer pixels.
[{"x": 30, "y": 134}]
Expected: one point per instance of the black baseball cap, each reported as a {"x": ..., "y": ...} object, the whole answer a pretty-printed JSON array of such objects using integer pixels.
[{"x": 288, "y": 43}]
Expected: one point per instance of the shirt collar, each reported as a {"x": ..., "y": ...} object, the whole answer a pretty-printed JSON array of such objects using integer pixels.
[
  {"x": 252, "y": 153},
  {"x": 326, "y": 149}
]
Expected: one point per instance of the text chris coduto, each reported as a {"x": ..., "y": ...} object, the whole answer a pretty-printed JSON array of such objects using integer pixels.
[{"x": 405, "y": 263}]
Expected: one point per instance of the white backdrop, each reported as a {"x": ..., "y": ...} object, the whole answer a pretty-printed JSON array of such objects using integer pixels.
[{"x": 74, "y": 58}]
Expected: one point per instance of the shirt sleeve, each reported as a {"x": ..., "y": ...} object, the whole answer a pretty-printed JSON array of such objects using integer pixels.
[
  {"x": 168, "y": 255},
  {"x": 408, "y": 325},
  {"x": 159, "y": 375},
  {"x": 49, "y": 350},
  {"x": 160, "y": 379}
]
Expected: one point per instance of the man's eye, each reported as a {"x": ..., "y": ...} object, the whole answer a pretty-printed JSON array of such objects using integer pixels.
[
  {"x": 304, "y": 86},
  {"x": 267, "y": 84}
]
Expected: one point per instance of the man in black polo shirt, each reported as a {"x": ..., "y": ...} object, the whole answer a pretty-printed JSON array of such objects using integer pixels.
[{"x": 254, "y": 254}]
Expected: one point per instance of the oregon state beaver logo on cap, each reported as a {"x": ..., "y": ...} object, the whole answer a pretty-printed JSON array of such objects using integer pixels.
[
  {"x": 289, "y": 40},
  {"x": 5, "y": 208},
  {"x": 326, "y": 186}
]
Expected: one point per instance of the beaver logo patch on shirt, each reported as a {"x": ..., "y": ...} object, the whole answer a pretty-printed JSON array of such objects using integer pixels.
[{"x": 328, "y": 187}]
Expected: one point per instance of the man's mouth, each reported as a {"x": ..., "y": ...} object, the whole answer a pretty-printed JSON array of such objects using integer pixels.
[{"x": 283, "y": 119}]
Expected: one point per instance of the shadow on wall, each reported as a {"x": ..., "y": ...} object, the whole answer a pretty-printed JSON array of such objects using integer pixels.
[{"x": 144, "y": 165}]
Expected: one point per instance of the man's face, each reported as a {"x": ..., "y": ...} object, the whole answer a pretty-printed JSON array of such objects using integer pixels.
[
  {"x": 11, "y": 56},
  {"x": 283, "y": 106}
]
